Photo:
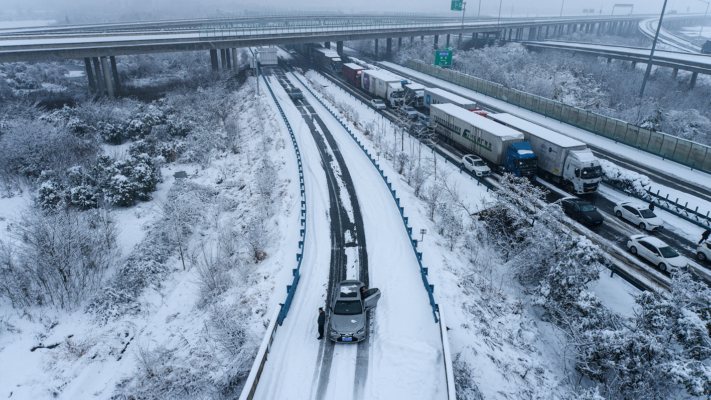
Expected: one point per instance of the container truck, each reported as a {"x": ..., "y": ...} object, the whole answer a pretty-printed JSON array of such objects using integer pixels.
[
  {"x": 439, "y": 96},
  {"x": 385, "y": 85},
  {"x": 561, "y": 159},
  {"x": 267, "y": 55},
  {"x": 503, "y": 147},
  {"x": 352, "y": 73},
  {"x": 327, "y": 58},
  {"x": 414, "y": 95}
]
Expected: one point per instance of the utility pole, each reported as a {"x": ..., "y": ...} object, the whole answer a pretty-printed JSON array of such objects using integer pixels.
[
  {"x": 464, "y": 9},
  {"x": 478, "y": 14},
  {"x": 651, "y": 54},
  {"x": 500, "y": 3},
  {"x": 561, "y": 8},
  {"x": 703, "y": 24}
]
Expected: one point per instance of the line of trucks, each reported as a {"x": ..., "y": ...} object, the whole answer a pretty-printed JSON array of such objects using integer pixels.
[{"x": 506, "y": 142}]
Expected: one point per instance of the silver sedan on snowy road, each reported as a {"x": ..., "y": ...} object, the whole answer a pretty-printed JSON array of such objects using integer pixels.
[{"x": 348, "y": 311}]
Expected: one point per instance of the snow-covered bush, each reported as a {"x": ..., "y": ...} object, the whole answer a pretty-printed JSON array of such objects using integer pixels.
[
  {"x": 630, "y": 180},
  {"x": 58, "y": 257}
]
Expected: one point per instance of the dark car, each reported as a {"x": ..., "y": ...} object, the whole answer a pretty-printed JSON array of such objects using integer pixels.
[
  {"x": 582, "y": 211},
  {"x": 706, "y": 48}
]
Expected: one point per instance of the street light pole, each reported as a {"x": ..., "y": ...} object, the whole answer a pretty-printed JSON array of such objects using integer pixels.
[
  {"x": 500, "y": 3},
  {"x": 561, "y": 8},
  {"x": 704, "y": 22},
  {"x": 478, "y": 14},
  {"x": 651, "y": 54}
]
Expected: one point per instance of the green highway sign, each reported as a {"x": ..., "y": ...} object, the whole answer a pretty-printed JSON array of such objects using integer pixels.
[
  {"x": 457, "y": 5},
  {"x": 443, "y": 58}
]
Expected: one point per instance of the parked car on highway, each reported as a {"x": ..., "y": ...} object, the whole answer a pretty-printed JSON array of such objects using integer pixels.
[
  {"x": 581, "y": 211},
  {"x": 703, "y": 251},
  {"x": 639, "y": 215},
  {"x": 378, "y": 104},
  {"x": 295, "y": 93},
  {"x": 348, "y": 312},
  {"x": 475, "y": 165},
  {"x": 424, "y": 119},
  {"x": 657, "y": 252},
  {"x": 409, "y": 112}
]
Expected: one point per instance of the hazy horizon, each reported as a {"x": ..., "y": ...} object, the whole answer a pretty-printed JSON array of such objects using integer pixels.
[{"x": 83, "y": 11}]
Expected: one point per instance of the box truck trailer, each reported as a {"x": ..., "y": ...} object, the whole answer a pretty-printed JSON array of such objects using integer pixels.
[
  {"x": 561, "y": 159},
  {"x": 385, "y": 85},
  {"x": 352, "y": 72},
  {"x": 503, "y": 147}
]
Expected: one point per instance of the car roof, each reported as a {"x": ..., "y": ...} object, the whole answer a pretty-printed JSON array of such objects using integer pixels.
[
  {"x": 576, "y": 200},
  {"x": 633, "y": 205},
  {"x": 472, "y": 156},
  {"x": 653, "y": 241},
  {"x": 349, "y": 290},
  {"x": 377, "y": 100}
]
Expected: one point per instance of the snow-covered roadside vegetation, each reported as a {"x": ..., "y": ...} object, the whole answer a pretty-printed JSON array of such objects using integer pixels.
[
  {"x": 197, "y": 182},
  {"x": 524, "y": 321},
  {"x": 587, "y": 82}
]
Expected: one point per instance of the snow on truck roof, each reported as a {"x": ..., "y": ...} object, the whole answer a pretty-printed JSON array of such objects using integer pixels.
[
  {"x": 353, "y": 66},
  {"x": 478, "y": 121},
  {"x": 537, "y": 130},
  {"x": 327, "y": 52},
  {"x": 384, "y": 75},
  {"x": 415, "y": 86},
  {"x": 450, "y": 96}
]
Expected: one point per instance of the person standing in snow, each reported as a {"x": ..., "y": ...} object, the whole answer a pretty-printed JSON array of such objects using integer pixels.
[
  {"x": 321, "y": 322},
  {"x": 705, "y": 235},
  {"x": 651, "y": 206}
]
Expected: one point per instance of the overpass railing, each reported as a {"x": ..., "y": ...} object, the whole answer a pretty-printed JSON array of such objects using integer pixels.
[{"x": 682, "y": 151}]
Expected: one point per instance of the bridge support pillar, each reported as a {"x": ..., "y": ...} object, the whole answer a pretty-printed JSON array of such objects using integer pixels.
[
  {"x": 609, "y": 60},
  {"x": 447, "y": 45},
  {"x": 223, "y": 60},
  {"x": 327, "y": 45},
  {"x": 235, "y": 63},
  {"x": 412, "y": 38},
  {"x": 388, "y": 49},
  {"x": 376, "y": 49},
  {"x": 399, "y": 42},
  {"x": 107, "y": 77},
  {"x": 436, "y": 40},
  {"x": 97, "y": 72},
  {"x": 547, "y": 27},
  {"x": 693, "y": 79},
  {"x": 339, "y": 47},
  {"x": 634, "y": 64},
  {"x": 227, "y": 57},
  {"x": 675, "y": 71},
  {"x": 114, "y": 72},
  {"x": 213, "y": 59},
  {"x": 90, "y": 74},
  {"x": 422, "y": 38}
]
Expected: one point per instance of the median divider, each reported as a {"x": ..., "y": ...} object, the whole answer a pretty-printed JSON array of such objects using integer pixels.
[
  {"x": 418, "y": 254},
  {"x": 280, "y": 314}
]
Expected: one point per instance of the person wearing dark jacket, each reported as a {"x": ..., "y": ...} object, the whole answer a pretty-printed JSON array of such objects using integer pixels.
[
  {"x": 651, "y": 206},
  {"x": 321, "y": 322},
  {"x": 705, "y": 235}
]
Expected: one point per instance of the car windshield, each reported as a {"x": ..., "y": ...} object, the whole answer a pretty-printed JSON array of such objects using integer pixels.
[
  {"x": 408, "y": 108},
  {"x": 479, "y": 163},
  {"x": 529, "y": 163},
  {"x": 668, "y": 252},
  {"x": 647, "y": 214},
  {"x": 348, "y": 308},
  {"x": 587, "y": 207},
  {"x": 592, "y": 172},
  {"x": 378, "y": 101},
  {"x": 397, "y": 95}
]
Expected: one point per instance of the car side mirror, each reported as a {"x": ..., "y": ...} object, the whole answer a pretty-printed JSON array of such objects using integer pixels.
[{"x": 577, "y": 173}]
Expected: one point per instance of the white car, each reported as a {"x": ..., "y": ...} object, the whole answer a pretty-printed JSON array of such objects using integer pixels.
[
  {"x": 639, "y": 215},
  {"x": 378, "y": 104},
  {"x": 656, "y": 252},
  {"x": 475, "y": 165},
  {"x": 703, "y": 251}
]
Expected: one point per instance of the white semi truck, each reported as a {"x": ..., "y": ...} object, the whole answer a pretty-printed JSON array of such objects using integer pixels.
[
  {"x": 385, "y": 85},
  {"x": 561, "y": 159}
]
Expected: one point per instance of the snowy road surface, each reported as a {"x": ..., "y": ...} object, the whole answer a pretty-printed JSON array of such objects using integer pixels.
[{"x": 404, "y": 352}]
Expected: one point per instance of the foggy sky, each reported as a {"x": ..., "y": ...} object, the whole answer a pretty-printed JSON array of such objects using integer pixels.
[{"x": 82, "y": 11}]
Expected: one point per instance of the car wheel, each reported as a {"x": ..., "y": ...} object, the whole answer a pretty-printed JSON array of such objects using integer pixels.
[
  {"x": 642, "y": 226},
  {"x": 662, "y": 267},
  {"x": 701, "y": 256},
  {"x": 633, "y": 250},
  {"x": 619, "y": 214}
]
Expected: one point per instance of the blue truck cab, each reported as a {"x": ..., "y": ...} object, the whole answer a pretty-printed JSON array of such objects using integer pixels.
[{"x": 521, "y": 160}]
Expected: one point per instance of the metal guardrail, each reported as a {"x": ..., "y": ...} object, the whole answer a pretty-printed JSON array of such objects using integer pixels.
[
  {"x": 682, "y": 151},
  {"x": 277, "y": 320}
]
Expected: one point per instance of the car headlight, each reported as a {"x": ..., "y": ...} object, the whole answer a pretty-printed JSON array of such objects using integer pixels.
[{"x": 361, "y": 330}]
